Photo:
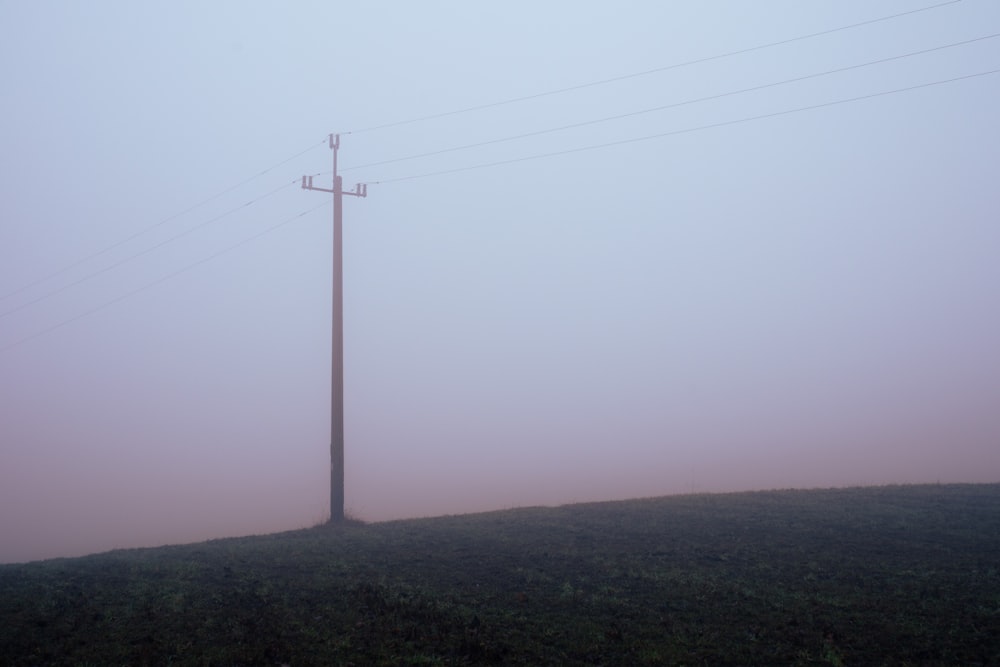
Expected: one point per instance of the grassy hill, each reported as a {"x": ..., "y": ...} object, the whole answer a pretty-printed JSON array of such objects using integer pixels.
[{"x": 866, "y": 576}]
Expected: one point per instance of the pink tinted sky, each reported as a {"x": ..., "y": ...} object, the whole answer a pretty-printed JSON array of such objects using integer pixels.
[{"x": 810, "y": 299}]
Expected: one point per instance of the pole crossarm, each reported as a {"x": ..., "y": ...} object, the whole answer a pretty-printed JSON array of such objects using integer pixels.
[
  {"x": 337, "y": 333},
  {"x": 360, "y": 190}
]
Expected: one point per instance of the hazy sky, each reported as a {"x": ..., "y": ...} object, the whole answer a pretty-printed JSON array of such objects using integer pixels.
[{"x": 808, "y": 299}]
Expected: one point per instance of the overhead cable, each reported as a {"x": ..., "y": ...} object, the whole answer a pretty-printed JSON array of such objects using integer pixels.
[
  {"x": 655, "y": 70},
  {"x": 148, "y": 229},
  {"x": 684, "y": 131},
  {"x": 668, "y": 106},
  {"x": 146, "y": 251},
  {"x": 163, "y": 279}
]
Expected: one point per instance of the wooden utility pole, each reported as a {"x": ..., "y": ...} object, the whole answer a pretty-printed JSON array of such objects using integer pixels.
[{"x": 337, "y": 370}]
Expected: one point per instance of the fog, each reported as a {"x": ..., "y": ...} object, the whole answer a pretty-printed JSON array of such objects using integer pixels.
[{"x": 756, "y": 297}]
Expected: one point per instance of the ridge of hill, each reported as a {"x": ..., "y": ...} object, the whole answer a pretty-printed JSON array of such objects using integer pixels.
[{"x": 875, "y": 575}]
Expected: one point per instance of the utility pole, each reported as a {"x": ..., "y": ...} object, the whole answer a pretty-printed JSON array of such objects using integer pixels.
[{"x": 337, "y": 370}]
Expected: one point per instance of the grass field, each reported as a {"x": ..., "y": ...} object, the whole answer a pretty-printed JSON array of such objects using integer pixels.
[{"x": 902, "y": 575}]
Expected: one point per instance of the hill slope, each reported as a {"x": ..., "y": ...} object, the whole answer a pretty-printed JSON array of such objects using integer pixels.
[{"x": 888, "y": 575}]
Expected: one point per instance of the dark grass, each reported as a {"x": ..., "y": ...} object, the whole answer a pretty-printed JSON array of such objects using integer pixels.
[{"x": 904, "y": 575}]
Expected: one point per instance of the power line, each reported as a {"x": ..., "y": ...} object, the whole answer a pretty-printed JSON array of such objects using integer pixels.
[
  {"x": 146, "y": 251},
  {"x": 672, "y": 105},
  {"x": 684, "y": 131},
  {"x": 146, "y": 230},
  {"x": 484, "y": 106},
  {"x": 163, "y": 279},
  {"x": 656, "y": 70},
  {"x": 451, "y": 171},
  {"x": 509, "y": 161}
]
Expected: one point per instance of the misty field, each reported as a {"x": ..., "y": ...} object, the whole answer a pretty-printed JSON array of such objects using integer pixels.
[{"x": 905, "y": 575}]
